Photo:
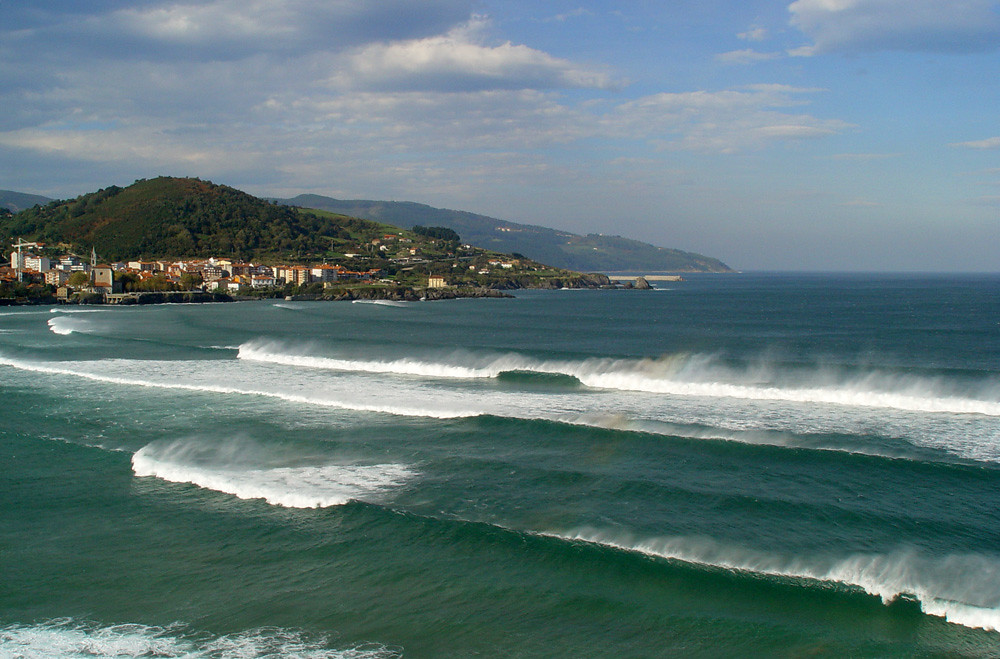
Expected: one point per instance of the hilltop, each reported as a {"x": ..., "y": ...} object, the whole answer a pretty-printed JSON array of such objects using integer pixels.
[
  {"x": 185, "y": 218},
  {"x": 590, "y": 253}
]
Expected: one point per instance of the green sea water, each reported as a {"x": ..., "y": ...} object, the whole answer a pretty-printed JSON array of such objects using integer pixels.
[{"x": 752, "y": 465}]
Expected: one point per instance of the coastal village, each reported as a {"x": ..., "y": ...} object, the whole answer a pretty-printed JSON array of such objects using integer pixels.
[{"x": 71, "y": 273}]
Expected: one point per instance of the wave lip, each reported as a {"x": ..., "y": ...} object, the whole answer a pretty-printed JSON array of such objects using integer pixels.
[
  {"x": 265, "y": 352},
  {"x": 64, "y": 325},
  {"x": 675, "y": 375},
  {"x": 962, "y": 589},
  {"x": 291, "y": 487},
  {"x": 383, "y": 303}
]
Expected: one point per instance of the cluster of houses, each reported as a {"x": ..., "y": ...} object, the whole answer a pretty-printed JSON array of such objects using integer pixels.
[{"x": 214, "y": 273}]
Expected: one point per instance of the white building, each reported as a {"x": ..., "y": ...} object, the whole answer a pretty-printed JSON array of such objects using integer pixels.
[{"x": 37, "y": 263}]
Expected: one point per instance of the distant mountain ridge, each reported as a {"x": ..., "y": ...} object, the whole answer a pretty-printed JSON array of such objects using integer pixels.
[
  {"x": 590, "y": 253},
  {"x": 18, "y": 201}
]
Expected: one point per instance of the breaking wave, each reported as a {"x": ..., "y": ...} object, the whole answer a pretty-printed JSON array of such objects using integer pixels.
[
  {"x": 70, "y": 639},
  {"x": 681, "y": 375},
  {"x": 66, "y": 325},
  {"x": 383, "y": 303},
  {"x": 364, "y": 404},
  {"x": 214, "y": 467},
  {"x": 962, "y": 589}
]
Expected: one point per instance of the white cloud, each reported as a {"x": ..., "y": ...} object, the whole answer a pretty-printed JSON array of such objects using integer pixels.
[
  {"x": 230, "y": 29},
  {"x": 576, "y": 13},
  {"x": 755, "y": 33},
  {"x": 908, "y": 25},
  {"x": 746, "y": 56},
  {"x": 724, "y": 122},
  {"x": 864, "y": 157},
  {"x": 457, "y": 61},
  {"x": 990, "y": 143}
]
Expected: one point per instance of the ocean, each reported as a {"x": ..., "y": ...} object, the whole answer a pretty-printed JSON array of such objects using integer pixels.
[{"x": 769, "y": 465}]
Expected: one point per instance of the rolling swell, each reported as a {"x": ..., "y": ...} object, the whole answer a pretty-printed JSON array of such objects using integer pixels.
[
  {"x": 924, "y": 436},
  {"x": 962, "y": 589},
  {"x": 697, "y": 573}
]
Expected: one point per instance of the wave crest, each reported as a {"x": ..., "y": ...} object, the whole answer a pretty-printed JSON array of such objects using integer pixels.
[
  {"x": 962, "y": 589},
  {"x": 678, "y": 375},
  {"x": 212, "y": 468}
]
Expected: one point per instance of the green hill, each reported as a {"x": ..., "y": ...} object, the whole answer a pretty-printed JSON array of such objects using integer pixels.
[
  {"x": 590, "y": 253},
  {"x": 183, "y": 217}
]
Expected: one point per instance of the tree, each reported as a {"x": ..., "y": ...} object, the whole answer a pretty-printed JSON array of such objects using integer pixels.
[
  {"x": 78, "y": 279},
  {"x": 128, "y": 280},
  {"x": 441, "y": 233},
  {"x": 191, "y": 280}
]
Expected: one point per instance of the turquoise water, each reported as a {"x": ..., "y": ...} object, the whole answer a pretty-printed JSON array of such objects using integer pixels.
[{"x": 767, "y": 465}]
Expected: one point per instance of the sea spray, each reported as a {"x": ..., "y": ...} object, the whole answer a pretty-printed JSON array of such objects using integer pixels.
[
  {"x": 66, "y": 325},
  {"x": 678, "y": 375},
  {"x": 224, "y": 467},
  {"x": 963, "y": 589}
]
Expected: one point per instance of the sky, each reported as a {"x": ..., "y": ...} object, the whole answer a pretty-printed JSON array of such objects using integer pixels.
[{"x": 843, "y": 135}]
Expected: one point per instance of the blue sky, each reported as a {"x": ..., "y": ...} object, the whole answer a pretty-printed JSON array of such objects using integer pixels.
[{"x": 805, "y": 135}]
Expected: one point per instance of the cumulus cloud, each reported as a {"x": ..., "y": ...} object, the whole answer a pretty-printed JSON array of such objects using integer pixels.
[
  {"x": 907, "y": 25},
  {"x": 279, "y": 93},
  {"x": 459, "y": 61},
  {"x": 990, "y": 143}
]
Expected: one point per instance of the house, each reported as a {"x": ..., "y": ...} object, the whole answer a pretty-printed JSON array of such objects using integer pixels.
[
  {"x": 324, "y": 273},
  {"x": 212, "y": 273},
  {"x": 39, "y": 263},
  {"x": 102, "y": 279},
  {"x": 436, "y": 282},
  {"x": 299, "y": 275},
  {"x": 56, "y": 277},
  {"x": 261, "y": 281},
  {"x": 142, "y": 266},
  {"x": 72, "y": 263}
]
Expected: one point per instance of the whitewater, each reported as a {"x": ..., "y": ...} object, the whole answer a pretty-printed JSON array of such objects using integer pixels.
[{"x": 766, "y": 465}]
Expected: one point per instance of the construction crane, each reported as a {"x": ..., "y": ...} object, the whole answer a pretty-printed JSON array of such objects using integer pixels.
[{"x": 20, "y": 264}]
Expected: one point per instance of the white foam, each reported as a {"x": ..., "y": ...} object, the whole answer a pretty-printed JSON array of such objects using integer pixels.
[
  {"x": 22, "y": 313},
  {"x": 262, "y": 352},
  {"x": 434, "y": 391},
  {"x": 383, "y": 303},
  {"x": 64, "y": 325},
  {"x": 66, "y": 638},
  {"x": 364, "y": 404},
  {"x": 678, "y": 375},
  {"x": 962, "y": 589},
  {"x": 293, "y": 487}
]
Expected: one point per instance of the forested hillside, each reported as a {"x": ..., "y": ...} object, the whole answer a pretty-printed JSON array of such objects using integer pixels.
[{"x": 165, "y": 217}]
